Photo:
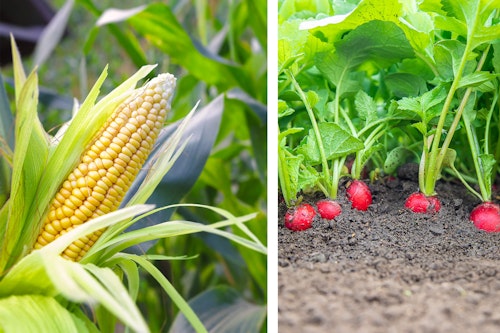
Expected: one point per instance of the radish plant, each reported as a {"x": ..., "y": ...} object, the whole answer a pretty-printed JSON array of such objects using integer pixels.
[
  {"x": 398, "y": 82},
  {"x": 456, "y": 55},
  {"x": 486, "y": 216}
]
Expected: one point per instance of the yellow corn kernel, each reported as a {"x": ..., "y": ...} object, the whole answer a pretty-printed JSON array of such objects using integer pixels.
[
  {"x": 75, "y": 220},
  {"x": 110, "y": 152},
  {"x": 60, "y": 213},
  {"x": 93, "y": 202},
  {"x": 87, "y": 212},
  {"x": 70, "y": 254},
  {"x": 66, "y": 224},
  {"x": 79, "y": 214},
  {"x": 48, "y": 236},
  {"x": 109, "y": 165},
  {"x": 108, "y": 201},
  {"x": 51, "y": 229},
  {"x": 98, "y": 196},
  {"x": 67, "y": 211}
]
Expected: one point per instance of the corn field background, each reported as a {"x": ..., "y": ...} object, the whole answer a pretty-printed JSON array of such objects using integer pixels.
[{"x": 217, "y": 50}]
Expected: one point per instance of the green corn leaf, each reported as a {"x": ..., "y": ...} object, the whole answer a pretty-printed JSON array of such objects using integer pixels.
[
  {"x": 105, "y": 286},
  {"x": 103, "y": 221},
  {"x": 28, "y": 164},
  {"x": 44, "y": 272},
  {"x": 6, "y": 147},
  {"x": 78, "y": 283},
  {"x": 169, "y": 289},
  {"x": 258, "y": 20},
  {"x": 4, "y": 215},
  {"x": 115, "y": 15},
  {"x": 36, "y": 313},
  {"x": 52, "y": 34},
  {"x": 111, "y": 18},
  {"x": 27, "y": 275},
  {"x": 127, "y": 40},
  {"x": 131, "y": 272},
  {"x": 224, "y": 310},
  {"x": 110, "y": 244},
  {"x": 19, "y": 74},
  {"x": 158, "y": 24}
]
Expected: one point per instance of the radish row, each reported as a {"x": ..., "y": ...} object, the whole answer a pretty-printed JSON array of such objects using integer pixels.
[{"x": 485, "y": 216}]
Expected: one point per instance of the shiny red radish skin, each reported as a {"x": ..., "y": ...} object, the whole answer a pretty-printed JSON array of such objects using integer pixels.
[
  {"x": 420, "y": 203},
  {"x": 300, "y": 218},
  {"x": 328, "y": 209},
  {"x": 359, "y": 195},
  {"x": 486, "y": 217}
]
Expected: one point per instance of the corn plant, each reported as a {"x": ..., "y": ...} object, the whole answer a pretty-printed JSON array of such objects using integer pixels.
[
  {"x": 219, "y": 47},
  {"x": 49, "y": 181}
]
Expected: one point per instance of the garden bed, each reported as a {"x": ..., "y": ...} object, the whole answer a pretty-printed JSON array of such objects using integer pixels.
[{"x": 390, "y": 270}]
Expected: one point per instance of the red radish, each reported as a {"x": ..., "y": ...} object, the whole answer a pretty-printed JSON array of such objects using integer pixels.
[
  {"x": 486, "y": 217},
  {"x": 359, "y": 195},
  {"x": 300, "y": 218},
  {"x": 328, "y": 209},
  {"x": 420, "y": 203}
]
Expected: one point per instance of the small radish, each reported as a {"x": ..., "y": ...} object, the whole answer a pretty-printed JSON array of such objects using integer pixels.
[
  {"x": 420, "y": 203},
  {"x": 300, "y": 218},
  {"x": 359, "y": 195},
  {"x": 486, "y": 217},
  {"x": 328, "y": 209}
]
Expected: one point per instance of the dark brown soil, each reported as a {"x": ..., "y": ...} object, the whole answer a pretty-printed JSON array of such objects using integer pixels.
[{"x": 390, "y": 270}]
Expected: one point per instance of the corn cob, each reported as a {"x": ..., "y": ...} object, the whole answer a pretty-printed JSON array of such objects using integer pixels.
[{"x": 109, "y": 165}]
